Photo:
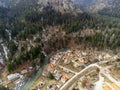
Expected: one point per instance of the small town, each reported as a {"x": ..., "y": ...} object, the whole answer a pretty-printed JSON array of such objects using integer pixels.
[
  {"x": 79, "y": 70},
  {"x": 74, "y": 69},
  {"x": 59, "y": 44}
]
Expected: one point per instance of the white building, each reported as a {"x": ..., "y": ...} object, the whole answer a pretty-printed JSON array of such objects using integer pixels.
[{"x": 13, "y": 76}]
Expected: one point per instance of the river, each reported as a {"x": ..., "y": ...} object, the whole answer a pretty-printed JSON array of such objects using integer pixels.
[{"x": 31, "y": 81}]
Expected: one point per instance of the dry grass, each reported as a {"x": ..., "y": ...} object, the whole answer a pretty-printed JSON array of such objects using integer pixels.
[{"x": 24, "y": 65}]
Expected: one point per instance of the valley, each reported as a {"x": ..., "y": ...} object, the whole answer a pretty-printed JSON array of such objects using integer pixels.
[{"x": 59, "y": 45}]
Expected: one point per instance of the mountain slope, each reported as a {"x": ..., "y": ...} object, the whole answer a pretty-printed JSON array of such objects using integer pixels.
[
  {"x": 92, "y": 5},
  {"x": 9, "y": 3},
  {"x": 65, "y": 4},
  {"x": 113, "y": 10},
  {"x": 103, "y": 7},
  {"x": 60, "y": 5}
]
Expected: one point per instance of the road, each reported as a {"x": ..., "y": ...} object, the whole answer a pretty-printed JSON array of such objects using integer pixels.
[
  {"x": 86, "y": 70},
  {"x": 78, "y": 75},
  {"x": 67, "y": 70},
  {"x": 99, "y": 83},
  {"x": 105, "y": 72},
  {"x": 112, "y": 79}
]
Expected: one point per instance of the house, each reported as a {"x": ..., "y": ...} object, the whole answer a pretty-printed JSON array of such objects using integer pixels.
[
  {"x": 56, "y": 57},
  {"x": 80, "y": 62},
  {"x": 30, "y": 68},
  {"x": 24, "y": 71},
  {"x": 41, "y": 84},
  {"x": 66, "y": 61},
  {"x": 13, "y": 76},
  {"x": 52, "y": 87},
  {"x": 107, "y": 56},
  {"x": 45, "y": 72},
  {"x": 84, "y": 53},
  {"x": 54, "y": 62},
  {"x": 57, "y": 75},
  {"x": 100, "y": 57},
  {"x": 76, "y": 65},
  {"x": 116, "y": 57},
  {"x": 85, "y": 60},
  {"x": 50, "y": 67},
  {"x": 64, "y": 79}
]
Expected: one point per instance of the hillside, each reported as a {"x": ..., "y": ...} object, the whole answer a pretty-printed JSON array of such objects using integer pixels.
[
  {"x": 60, "y": 5},
  {"x": 113, "y": 11},
  {"x": 26, "y": 18},
  {"x": 31, "y": 31},
  {"x": 92, "y": 5},
  {"x": 102, "y": 7},
  {"x": 22, "y": 17}
]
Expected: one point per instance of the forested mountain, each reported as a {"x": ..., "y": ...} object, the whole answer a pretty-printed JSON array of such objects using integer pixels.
[
  {"x": 27, "y": 20},
  {"x": 24, "y": 13},
  {"x": 60, "y": 5},
  {"x": 9, "y": 3},
  {"x": 113, "y": 11},
  {"x": 31, "y": 31},
  {"x": 92, "y": 5},
  {"x": 103, "y": 7}
]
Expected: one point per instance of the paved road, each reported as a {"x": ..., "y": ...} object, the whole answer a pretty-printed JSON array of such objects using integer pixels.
[
  {"x": 106, "y": 74},
  {"x": 99, "y": 84},
  {"x": 112, "y": 79},
  {"x": 67, "y": 70},
  {"x": 78, "y": 75}
]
